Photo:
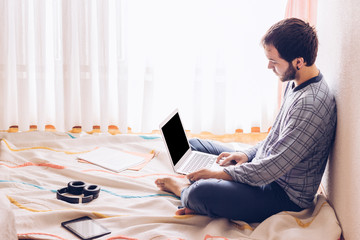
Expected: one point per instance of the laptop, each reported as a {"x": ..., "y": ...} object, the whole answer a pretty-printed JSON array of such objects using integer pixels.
[{"x": 184, "y": 160}]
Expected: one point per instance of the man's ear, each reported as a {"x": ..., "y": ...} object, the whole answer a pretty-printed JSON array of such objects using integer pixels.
[{"x": 299, "y": 63}]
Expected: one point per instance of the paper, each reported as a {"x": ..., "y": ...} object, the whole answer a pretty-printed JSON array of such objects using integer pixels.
[
  {"x": 114, "y": 160},
  {"x": 147, "y": 157}
]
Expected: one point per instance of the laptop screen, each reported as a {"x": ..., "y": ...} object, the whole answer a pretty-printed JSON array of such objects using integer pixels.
[{"x": 175, "y": 138}]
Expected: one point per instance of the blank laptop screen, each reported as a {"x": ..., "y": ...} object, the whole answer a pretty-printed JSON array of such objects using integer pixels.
[{"x": 175, "y": 138}]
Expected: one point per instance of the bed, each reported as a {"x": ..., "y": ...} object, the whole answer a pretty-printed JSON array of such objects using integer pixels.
[{"x": 34, "y": 165}]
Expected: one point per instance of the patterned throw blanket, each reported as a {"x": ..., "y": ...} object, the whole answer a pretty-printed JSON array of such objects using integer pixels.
[{"x": 34, "y": 165}]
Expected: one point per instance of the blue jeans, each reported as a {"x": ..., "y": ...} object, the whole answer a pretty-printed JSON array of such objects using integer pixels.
[{"x": 233, "y": 200}]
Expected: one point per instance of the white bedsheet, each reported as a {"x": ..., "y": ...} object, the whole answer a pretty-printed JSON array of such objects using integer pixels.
[
  {"x": 33, "y": 165},
  {"x": 7, "y": 219}
]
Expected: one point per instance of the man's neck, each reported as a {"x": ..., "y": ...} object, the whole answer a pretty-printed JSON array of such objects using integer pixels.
[{"x": 305, "y": 74}]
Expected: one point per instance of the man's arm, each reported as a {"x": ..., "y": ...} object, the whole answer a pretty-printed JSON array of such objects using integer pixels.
[
  {"x": 296, "y": 141},
  {"x": 207, "y": 173}
]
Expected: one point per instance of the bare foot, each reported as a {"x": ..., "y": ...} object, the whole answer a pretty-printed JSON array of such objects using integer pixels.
[
  {"x": 171, "y": 185},
  {"x": 184, "y": 211}
]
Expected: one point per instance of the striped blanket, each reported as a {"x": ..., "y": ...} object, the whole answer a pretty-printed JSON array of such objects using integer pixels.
[{"x": 34, "y": 165}]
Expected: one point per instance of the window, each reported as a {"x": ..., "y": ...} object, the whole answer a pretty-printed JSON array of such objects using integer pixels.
[{"x": 129, "y": 63}]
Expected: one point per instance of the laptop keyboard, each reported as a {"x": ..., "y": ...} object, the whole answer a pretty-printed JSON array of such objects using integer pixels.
[{"x": 199, "y": 161}]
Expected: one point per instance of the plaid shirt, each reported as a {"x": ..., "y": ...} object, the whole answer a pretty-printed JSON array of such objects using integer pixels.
[{"x": 295, "y": 152}]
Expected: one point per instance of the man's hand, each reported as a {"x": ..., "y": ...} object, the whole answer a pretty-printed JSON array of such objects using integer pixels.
[
  {"x": 232, "y": 158},
  {"x": 207, "y": 173}
]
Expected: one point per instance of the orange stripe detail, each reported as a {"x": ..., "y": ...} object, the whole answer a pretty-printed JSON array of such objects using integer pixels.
[
  {"x": 13, "y": 129},
  {"x": 96, "y": 129},
  {"x": 44, "y": 234},
  {"x": 212, "y": 237},
  {"x": 239, "y": 131},
  {"x": 112, "y": 129},
  {"x": 50, "y": 128},
  {"x": 39, "y": 147},
  {"x": 27, "y": 164},
  {"x": 243, "y": 226},
  {"x": 305, "y": 225},
  {"x": 76, "y": 129},
  {"x": 255, "y": 129},
  {"x": 121, "y": 237},
  {"x": 19, "y": 205}
]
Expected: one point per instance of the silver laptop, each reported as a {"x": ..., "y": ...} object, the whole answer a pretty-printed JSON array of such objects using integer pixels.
[{"x": 184, "y": 160}]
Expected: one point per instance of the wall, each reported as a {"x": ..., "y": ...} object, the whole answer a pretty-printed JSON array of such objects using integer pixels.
[{"x": 339, "y": 60}]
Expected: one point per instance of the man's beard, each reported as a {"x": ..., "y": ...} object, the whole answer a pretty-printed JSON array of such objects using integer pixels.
[{"x": 289, "y": 74}]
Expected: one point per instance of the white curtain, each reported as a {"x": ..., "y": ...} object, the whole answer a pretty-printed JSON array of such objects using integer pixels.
[{"x": 129, "y": 63}]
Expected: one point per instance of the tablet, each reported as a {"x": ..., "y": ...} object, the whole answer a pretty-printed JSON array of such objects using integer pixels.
[{"x": 85, "y": 228}]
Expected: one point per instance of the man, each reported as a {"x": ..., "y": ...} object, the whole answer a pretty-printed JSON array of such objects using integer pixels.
[{"x": 283, "y": 172}]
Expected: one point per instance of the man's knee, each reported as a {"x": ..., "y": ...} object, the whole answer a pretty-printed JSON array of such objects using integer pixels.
[
  {"x": 195, "y": 144},
  {"x": 201, "y": 195},
  {"x": 201, "y": 189}
]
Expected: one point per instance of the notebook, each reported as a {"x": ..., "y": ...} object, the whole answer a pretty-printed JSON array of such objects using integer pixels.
[
  {"x": 184, "y": 160},
  {"x": 111, "y": 159}
]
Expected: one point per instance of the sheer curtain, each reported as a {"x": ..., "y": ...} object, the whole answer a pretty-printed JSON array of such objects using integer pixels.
[
  {"x": 306, "y": 10},
  {"x": 61, "y": 63},
  {"x": 129, "y": 63},
  {"x": 204, "y": 57}
]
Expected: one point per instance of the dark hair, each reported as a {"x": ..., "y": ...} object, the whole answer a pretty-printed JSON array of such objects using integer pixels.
[{"x": 293, "y": 38}]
